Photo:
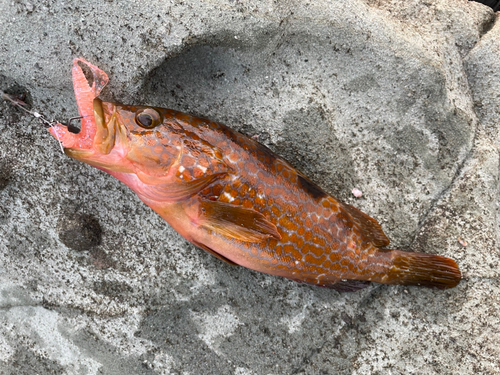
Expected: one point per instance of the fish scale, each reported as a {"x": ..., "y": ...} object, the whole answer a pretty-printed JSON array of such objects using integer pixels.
[{"x": 233, "y": 197}]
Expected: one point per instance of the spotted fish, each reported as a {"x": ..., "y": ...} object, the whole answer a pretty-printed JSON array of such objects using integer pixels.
[{"x": 236, "y": 199}]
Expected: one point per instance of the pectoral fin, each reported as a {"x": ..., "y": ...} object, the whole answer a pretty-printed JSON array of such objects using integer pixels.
[
  {"x": 177, "y": 191},
  {"x": 237, "y": 222}
]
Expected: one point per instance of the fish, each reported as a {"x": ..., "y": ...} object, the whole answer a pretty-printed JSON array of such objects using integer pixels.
[{"x": 236, "y": 199}]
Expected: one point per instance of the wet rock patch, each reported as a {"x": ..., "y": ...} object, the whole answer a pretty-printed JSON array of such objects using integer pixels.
[{"x": 79, "y": 231}]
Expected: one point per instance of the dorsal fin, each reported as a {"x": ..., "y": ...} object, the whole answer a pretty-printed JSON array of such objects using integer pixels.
[{"x": 370, "y": 229}]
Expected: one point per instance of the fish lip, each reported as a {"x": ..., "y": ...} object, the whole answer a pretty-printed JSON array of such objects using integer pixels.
[
  {"x": 106, "y": 125},
  {"x": 99, "y": 118},
  {"x": 78, "y": 152}
]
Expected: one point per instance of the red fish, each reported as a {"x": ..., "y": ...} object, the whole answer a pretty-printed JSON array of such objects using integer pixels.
[{"x": 233, "y": 197}]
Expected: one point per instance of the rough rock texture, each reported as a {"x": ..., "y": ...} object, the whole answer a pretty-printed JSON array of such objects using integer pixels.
[{"x": 400, "y": 99}]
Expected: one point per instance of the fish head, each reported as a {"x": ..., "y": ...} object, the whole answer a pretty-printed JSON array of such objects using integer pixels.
[
  {"x": 136, "y": 139},
  {"x": 115, "y": 137},
  {"x": 159, "y": 145}
]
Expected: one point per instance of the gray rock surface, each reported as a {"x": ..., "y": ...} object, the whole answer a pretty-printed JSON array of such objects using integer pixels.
[{"x": 400, "y": 99}]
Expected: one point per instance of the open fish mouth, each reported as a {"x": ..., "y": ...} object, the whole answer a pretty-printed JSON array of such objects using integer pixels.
[{"x": 85, "y": 95}]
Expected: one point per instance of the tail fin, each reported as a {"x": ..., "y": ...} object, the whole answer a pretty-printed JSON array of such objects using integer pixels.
[{"x": 432, "y": 271}]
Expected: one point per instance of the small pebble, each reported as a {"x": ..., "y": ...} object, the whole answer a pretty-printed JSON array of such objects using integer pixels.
[
  {"x": 357, "y": 193},
  {"x": 462, "y": 242}
]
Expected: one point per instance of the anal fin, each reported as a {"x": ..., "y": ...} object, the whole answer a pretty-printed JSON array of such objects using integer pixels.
[
  {"x": 214, "y": 253},
  {"x": 350, "y": 285},
  {"x": 340, "y": 285},
  {"x": 236, "y": 222}
]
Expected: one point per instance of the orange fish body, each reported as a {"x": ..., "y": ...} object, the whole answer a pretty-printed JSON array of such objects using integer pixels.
[{"x": 236, "y": 199}]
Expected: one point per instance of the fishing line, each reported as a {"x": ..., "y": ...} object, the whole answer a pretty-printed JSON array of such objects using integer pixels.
[{"x": 48, "y": 124}]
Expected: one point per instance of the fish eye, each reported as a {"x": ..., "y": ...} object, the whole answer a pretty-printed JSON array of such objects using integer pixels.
[{"x": 148, "y": 118}]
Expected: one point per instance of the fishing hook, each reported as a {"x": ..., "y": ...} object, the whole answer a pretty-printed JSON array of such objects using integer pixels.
[{"x": 71, "y": 128}]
